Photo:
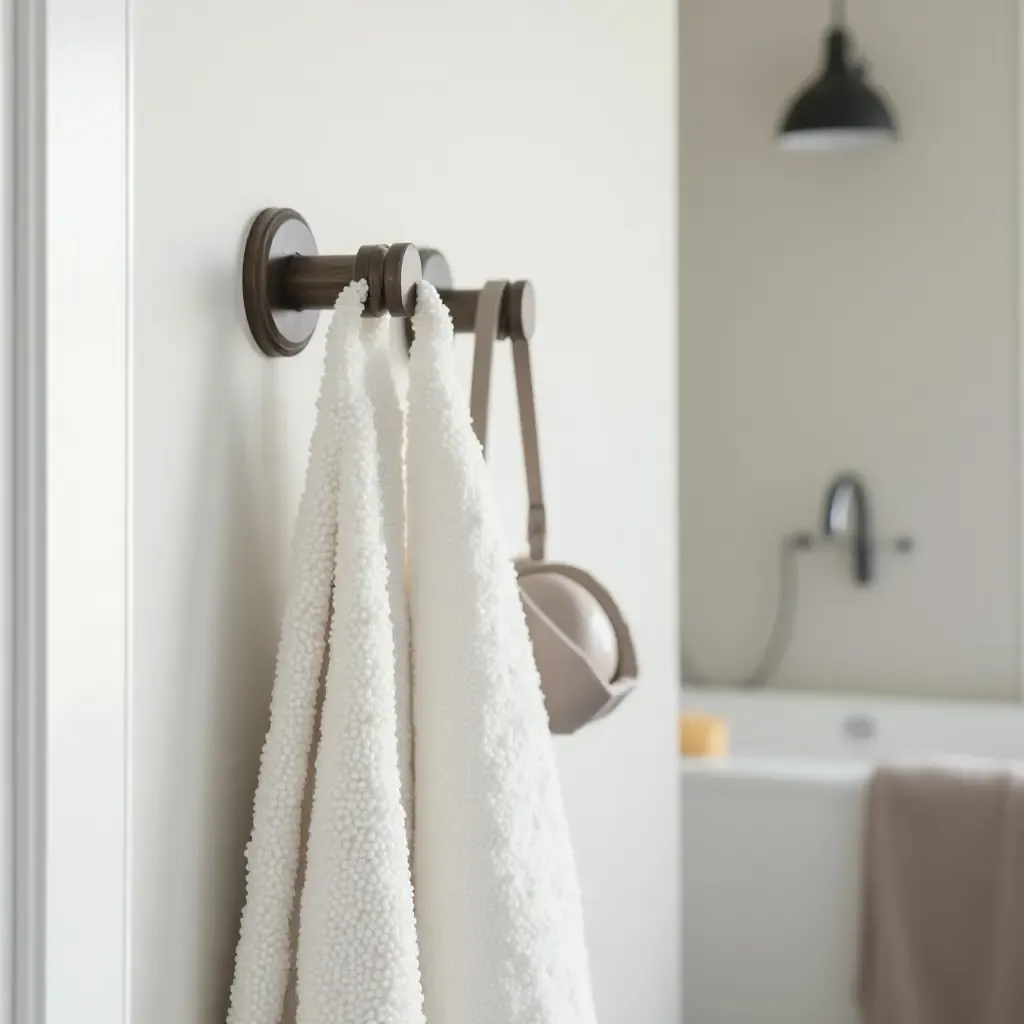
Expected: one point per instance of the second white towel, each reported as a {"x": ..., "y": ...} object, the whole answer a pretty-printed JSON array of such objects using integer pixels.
[{"x": 497, "y": 897}]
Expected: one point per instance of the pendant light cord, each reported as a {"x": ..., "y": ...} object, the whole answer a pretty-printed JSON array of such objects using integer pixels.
[{"x": 839, "y": 12}]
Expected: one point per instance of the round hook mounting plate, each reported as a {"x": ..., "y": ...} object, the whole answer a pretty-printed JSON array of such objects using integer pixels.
[{"x": 275, "y": 235}]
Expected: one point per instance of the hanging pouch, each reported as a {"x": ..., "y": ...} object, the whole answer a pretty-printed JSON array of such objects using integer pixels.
[{"x": 581, "y": 641}]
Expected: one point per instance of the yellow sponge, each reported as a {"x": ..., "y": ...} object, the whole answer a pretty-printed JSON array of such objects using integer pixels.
[{"x": 703, "y": 735}]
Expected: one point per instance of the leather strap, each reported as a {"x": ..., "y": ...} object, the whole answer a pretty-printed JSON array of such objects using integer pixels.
[
  {"x": 488, "y": 325},
  {"x": 536, "y": 522}
]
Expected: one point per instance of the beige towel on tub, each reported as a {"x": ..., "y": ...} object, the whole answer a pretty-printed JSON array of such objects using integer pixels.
[{"x": 943, "y": 914}]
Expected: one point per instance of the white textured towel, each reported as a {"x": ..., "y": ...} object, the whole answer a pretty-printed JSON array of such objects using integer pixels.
[
  {"x": 389, "y": 417},
  {"x": 356, "y": 952},
  {"x": 497, "y": 897},
  {"x": 497, "y": 900}
]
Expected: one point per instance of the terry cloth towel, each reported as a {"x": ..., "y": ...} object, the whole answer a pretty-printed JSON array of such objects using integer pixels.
[
  {"x": 355, "y": 958},
  {"x": 389, "y": 419},
  {"x": 943, "y": 915},
  {"x": 497, "y": 896}
]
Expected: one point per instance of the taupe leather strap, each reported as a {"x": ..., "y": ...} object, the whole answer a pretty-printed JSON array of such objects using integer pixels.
[
  {"x": 488, "y": 325},
  {"x": 536, "y": 523},
  {"x": 488, "y": 320}
]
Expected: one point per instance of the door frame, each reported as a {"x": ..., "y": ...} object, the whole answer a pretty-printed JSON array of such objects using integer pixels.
[{"x": 67, "y": 451}]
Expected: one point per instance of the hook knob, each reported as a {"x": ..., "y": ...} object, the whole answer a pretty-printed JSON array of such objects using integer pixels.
[
  {"x": 518, "y": 312},
  {"x": 285, "y": 282},
  {"x": 516, "y": 318}
]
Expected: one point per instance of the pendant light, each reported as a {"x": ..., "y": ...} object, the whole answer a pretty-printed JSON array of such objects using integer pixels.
[{"x": 837, "y": 110}]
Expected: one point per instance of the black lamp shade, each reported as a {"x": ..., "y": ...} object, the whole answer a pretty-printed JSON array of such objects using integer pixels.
[{"x": 838, "y": 110}]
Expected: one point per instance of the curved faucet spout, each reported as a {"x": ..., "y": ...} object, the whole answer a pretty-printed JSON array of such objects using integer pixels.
[{"x": 847, "y": 514}]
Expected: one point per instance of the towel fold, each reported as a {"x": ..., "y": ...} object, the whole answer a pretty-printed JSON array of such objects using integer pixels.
[
  {"x": 357, "y": 956},
  {"x": 497, "y": 897},
  {"x": 389, "y": 420},
  {"x": 943, "y": 915}
]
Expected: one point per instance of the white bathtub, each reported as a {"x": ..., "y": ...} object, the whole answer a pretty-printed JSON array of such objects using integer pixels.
[{"x": 771, "y": 844}]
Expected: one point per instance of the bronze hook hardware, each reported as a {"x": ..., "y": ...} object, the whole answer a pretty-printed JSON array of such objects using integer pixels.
[
  {"x": 285, "y": 282},
  {"x": 516, "y": 319}
]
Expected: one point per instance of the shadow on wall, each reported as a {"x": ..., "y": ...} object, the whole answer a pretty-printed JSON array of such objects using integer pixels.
[{"x": 228, "y": 647}]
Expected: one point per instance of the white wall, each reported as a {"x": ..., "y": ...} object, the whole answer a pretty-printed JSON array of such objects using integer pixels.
[
  {"x": 853, "y": 312},
  {"x": 533, "y": 142}
]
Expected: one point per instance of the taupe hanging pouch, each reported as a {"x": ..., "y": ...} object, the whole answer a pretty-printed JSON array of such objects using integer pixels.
[{"x": 581, "y": 641}]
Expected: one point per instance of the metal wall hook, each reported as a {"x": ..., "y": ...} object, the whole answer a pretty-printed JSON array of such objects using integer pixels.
[
  {"x": 285, "y": 282},
  {"x": 517, "y": 317}
]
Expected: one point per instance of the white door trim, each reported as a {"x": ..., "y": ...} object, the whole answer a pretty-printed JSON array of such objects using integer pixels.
[
  {"x": 27, "y": 343},
  {"x": 71, "y": 382},
  {"x": 1019, "y": 275}
]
